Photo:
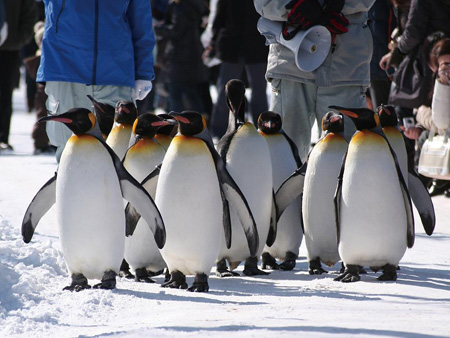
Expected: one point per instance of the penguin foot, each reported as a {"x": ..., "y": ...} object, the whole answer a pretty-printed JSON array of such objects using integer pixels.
[
  {"x": 389, "y": 273},
  {"x": 251, "y": 268},
  {"x": 155, "y": 273},
  {"x": 289, "y": 261},
  {"x": 222, "y": 270},
  {"x": 268, "y": 262},
  {"x": 315, "y": 267},
  {"x": 177, "y": 281},
  {"x": 108, "y": 281},
  {"x": 361, "y": 270},
  {"x": 350, "y": 274},
  {"x": 125, "y": 270},
  {"x": 79, "y": 282},
  {"x": 200, "y": 283},
  {"x": 142, "y": 276}
]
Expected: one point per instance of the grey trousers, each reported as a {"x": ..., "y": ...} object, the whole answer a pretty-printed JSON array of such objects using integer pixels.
[
  {"x": 63, "y": 96},
  {"x": 300, "y": 105}
]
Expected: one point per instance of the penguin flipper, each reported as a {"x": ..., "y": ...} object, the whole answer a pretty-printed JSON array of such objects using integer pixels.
[
  {"x": 294, "y": 149},
  {"x": 271, "y": 237},
  {"x": 290, "y": 189},
  {"x": 41, "y": 203},
  {"x": 132, "y": 216},
  {"x": 135, "y": 193},
  {"x": 337, "y": 199},
  {"x": 226, "y": 220},
  {"x": 422, "y": 200},
  {"x": 234, "y": 195}
]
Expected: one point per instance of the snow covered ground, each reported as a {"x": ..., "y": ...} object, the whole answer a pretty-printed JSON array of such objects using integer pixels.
[{"x": 283, "y": 304}]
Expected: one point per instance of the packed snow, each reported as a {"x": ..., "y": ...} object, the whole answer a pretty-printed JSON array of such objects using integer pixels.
[{"x": 282, "y": 304}]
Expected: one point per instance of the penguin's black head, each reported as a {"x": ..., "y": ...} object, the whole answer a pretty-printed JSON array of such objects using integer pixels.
[
  {"x": 79, "y": 120},
  {"x": 363, "y": 118},
  {"x": 104, "y": 113},
  {"x": 269, "y": 122},
  {"x": 170, "y": 129},
  {"x": 190, "y": 122},
  {"x": 235, "y": 94},
  {"x": 387, "y": 115},
  {"x": 148, "y": 124},
  {"x": 333, "y": 122},
  {"x": 126, "y": 112}
]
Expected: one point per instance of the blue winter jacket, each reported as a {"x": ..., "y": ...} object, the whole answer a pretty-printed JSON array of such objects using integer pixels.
[{"x": 97, "y": 42}]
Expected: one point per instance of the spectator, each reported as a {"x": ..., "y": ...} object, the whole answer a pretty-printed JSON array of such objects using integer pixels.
[
  {"x": 242, "y": 50},
  {"x": 183, "y": 69},
  {"x": 343, "y": 78},
  {"x": 20, "y": 16},
  {"x": 94, "y": 47}
]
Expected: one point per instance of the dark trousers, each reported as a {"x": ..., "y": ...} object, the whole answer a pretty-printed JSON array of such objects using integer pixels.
[
  {"x": 184, "y": 97},
  {"x": 258, "y": 103},
  {"x": 9, "y": 72}
]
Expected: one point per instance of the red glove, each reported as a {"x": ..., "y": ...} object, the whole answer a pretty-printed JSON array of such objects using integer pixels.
[
  {"x": 304, "y": 13},
  {"x": 335, "y": 22}
]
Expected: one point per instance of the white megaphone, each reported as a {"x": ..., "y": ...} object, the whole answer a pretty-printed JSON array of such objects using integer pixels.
[{"x": 310, "y": 47}]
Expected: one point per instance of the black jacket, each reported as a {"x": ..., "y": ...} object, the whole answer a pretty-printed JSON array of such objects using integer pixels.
[
  {"x": 182, "y": 56},
  {"x": 235, "y": 34},
  {"x": 21, "y": 15}
]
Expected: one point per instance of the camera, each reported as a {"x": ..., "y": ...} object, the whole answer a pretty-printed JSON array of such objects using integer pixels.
[{"x": 408, "y": 122}]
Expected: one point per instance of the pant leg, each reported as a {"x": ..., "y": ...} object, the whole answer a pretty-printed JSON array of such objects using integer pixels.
[
  {"x": 39, "y": 133},
  {"x": 256, "y": 77},
  {"x": 219, "y": 116},
  {"x": 344, "y": 96},
  {"x": 379, "y": 92},
  {"x": 296, "y": 103},
  {"x": 9, "y": 66}
]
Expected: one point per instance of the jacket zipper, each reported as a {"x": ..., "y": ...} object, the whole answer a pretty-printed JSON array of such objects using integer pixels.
[
  {"x": 59, "y": 14},
  {"x": 94, "y": 68}
]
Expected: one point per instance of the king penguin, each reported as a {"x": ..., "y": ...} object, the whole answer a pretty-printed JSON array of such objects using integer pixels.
[
  {"x": 88, "y": 190},
  {"x": 247, "y": 157},
  {"x": 373, "y": 211},
  {"x": 419, "y": 193},
  {"x": 141, "y": 251},
  {"x": 323, "y": 167},
  {"x": 193, "y": 193},
  {"x": 165, "y": 134},
  {"x": 120, "y": 137},
  {"x": 104, "y": 113},
  {"x": 285, "y": 160}
]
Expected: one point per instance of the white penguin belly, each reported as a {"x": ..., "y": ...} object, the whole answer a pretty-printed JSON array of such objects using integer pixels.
[
  {"x": 324, "y": 164},
  {"x": 373, "y": 217},
  {"x": 248, "y": 162},
  {"x": 289, "y": 230},
  {"x": 188, "y": 197},
  {"x": 141, "y": 250},
  {"x": 89, "y": 209}
]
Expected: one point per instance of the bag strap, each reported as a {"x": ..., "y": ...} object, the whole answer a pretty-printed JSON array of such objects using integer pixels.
[{"x": 432, "y": 132}]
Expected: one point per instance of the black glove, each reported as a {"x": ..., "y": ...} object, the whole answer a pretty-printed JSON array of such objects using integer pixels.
[
  {"x": 335, "y": 22},
  {"x": 304, "y": 13},
  {"x": 333, "y": 6}
]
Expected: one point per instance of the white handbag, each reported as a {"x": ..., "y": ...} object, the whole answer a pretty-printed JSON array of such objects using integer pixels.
[{"x": 434, "y": 159}]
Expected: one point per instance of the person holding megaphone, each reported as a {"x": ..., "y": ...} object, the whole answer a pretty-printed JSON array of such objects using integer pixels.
[{"x": 310, "y": 67}]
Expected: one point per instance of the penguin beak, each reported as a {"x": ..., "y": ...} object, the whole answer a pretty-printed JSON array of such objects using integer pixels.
[
  {"x": 124, "y": 109},
  {"x": 164, "y": 123},
  {"x": 180, "y": 118},
  {"x": 56, "y": 118},
  {"x": 96, "y": 104},
  {"x": 349, "y": 113}
]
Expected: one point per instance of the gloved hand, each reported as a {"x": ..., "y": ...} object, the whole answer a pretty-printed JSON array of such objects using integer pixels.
[
  {"x": 304, "y": 13},
  {"x": 142, "y": 88},
  {"x": 335, "y": 22}
]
